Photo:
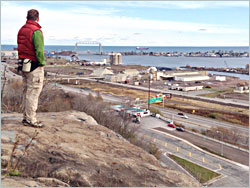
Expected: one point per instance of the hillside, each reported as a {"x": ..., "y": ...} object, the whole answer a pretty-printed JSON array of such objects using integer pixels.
[{"x": 73, "y": 150}]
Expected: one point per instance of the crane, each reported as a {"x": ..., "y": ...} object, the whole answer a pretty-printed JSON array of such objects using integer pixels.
[{"x": 89, "y": 42}]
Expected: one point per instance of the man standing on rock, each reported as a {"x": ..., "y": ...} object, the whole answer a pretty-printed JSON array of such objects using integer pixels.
[{"x": 31, "y": 61}]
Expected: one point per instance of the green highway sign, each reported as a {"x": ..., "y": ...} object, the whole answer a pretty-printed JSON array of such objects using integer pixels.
[{"x": 154, "y": 100}]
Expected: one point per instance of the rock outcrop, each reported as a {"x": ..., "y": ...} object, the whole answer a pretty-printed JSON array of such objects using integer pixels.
[{"x": 73, "y": 150}]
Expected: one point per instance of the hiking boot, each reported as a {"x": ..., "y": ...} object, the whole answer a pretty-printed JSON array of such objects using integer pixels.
[{"x": 30, "y": 124}]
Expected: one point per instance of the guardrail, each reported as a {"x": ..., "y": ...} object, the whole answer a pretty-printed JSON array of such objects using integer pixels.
[
  {"x": 166, "y": 120},
  {"x": 224, "y": 143}
]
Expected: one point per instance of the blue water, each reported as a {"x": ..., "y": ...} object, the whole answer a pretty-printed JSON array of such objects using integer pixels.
[
  {"x": 133, "y": 48},
  {"x": 159, "y": 61},
  {"x": 173, "y": 62}
]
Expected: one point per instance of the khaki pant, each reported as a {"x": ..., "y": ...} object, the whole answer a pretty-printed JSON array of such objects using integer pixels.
[{"x": 32, "y": 87}]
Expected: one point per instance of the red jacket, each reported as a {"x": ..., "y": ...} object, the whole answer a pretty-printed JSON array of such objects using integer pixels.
[{"x": 24, "y": 40}]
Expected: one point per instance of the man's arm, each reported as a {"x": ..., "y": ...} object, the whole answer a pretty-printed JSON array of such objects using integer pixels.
[{"x": 37, "y": 39}]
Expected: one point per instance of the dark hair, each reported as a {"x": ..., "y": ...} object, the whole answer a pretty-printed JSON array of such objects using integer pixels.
[{"x": 32, "y": 14}]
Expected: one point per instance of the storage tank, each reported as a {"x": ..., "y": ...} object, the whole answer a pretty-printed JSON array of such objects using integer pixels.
[{"x": 115, "y": 59}]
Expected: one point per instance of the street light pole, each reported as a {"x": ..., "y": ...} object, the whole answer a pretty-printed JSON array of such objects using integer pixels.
[{"x": 221, "y": 141}]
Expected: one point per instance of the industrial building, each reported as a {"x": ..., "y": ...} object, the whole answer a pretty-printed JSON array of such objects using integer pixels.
[
  {"x": 131, "y": 72},
  {"x": 241, "y": 89},
  {"x": 101, "y": 72},
  {"x": 103, "y": 62},
  {"x": 115, "y": 59},
  {"x": 189, "y": 88},
  {"x": 188, "y": 78},
  {"x": 120, "y": 77},
  {"x": 183, "y": 76},
  {"x": 220, "y": 78}
]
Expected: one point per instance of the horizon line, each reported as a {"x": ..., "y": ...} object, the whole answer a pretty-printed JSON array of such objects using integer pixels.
[{"x": 129, "y": 45}]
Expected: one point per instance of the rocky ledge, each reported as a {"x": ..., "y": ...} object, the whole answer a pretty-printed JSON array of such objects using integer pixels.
[{"x": 73, "y": 150}]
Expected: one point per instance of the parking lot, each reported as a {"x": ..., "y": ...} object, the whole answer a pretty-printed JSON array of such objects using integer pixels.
[{"x": 152, "y": 122}]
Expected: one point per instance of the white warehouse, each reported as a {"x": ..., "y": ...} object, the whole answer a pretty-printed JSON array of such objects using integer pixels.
[{"x": 187, "y": 78}]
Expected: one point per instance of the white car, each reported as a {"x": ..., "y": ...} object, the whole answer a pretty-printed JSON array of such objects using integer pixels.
[
  {"x": 182, "y": 115},
  {"x": 142, "y": 114}
]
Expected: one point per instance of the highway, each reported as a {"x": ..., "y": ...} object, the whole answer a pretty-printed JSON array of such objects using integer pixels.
[
  {"x": 233, "y": 174},
  {"x": 201, "y": 123},
  {"x": 194, "y": 121}
]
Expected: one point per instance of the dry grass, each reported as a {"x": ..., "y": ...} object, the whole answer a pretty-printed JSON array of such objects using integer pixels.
[
  {"x": 117, "y": 91},
  {"x": 218, "y": 93},
  {"x": 67, "y": 70},
  {"x": 214, "y": 106}
]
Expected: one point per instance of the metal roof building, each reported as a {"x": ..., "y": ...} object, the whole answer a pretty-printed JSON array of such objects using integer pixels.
[
  {"x": 101, "y": 72},
  {"x": 187, "y": 78}
]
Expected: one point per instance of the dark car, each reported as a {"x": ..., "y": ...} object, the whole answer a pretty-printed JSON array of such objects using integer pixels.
[
  {"x": 153, "y": 114},
  {"x": 180, "y": 129}
]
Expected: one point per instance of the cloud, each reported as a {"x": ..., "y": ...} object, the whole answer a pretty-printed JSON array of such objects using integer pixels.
[
  {"x": 92, "y": 11},
  {"x": 67, "y": 26},
  {"x": 179, "y": 4}
]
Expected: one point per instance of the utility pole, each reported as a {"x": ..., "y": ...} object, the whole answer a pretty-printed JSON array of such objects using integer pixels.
[
  {"x": 149, "y": 79},
  {"x": 163, "y": 102}
]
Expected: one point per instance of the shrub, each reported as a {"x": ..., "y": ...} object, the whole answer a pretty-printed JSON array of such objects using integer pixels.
[
  {"x": 212, "y": 115},
  {"x": 180, "y": 125},
  {"x": 12, "y": 97},
  {"x": 155, "y": 111},
  {"x": 154, "y": 150},
  {"x": 53, "y": 100}
]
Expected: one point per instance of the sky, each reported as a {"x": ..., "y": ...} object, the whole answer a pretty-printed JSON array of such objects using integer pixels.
[{"x": 132, "y": 23}]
